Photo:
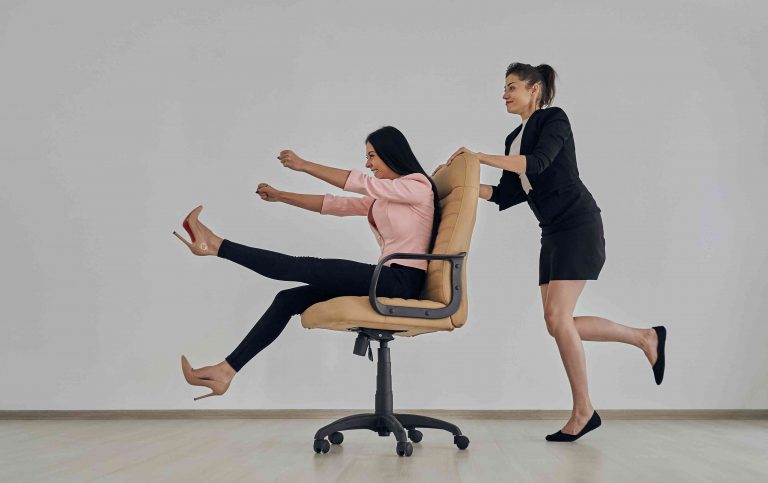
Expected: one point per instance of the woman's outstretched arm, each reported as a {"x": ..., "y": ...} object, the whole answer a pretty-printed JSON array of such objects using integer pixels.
[
  {"x": 553, "y": 134},
  {"x": 324, "y": 204},
  {"x": 486, "y": 192},
  {"x": 516, "y": 164},
  {"x": 308, "y": 202},
  {"x": 335, "y": 176}
]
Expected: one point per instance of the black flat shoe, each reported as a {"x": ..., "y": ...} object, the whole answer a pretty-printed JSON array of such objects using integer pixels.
[
  {"x": 658, "y": 367},
  {"x": 593, "y": 423}
]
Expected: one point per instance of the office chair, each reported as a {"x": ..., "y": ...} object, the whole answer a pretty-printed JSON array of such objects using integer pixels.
[{"x": 442, "y": 307}]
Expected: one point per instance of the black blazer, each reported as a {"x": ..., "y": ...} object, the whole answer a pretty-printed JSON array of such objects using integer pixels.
[{"x": 558, "y": 197}]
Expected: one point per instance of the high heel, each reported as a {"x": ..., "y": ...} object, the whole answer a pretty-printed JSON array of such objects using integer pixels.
[
  {"x": 217, "y": 388},
  {"x": 197, "y": 233},
  {"x": 186, "y": 226}
]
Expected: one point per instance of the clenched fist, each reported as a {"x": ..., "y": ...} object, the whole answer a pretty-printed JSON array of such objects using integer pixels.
[
  {"x": 291, "y": 160},
  {"x": 267, "y": 192}
]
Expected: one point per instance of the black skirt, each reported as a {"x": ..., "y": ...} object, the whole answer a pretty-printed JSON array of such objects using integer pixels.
[{"x": 577, "y": 253}]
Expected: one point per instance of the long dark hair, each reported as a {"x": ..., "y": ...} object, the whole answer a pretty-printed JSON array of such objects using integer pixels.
[
  {"x": 531, "y": 75},
  {"x": 392, "y": 147}
]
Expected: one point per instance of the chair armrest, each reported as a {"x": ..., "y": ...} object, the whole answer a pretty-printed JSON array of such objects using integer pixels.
[{"x": 457, "y": 264}]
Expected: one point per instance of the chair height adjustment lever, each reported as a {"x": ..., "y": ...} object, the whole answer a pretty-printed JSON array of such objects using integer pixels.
[{"x": 363, "y": 346}]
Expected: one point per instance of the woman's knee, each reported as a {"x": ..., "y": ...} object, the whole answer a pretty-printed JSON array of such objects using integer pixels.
[
  {"x": 287, "y": 299},
  {"x": 296, "y": 300},
  {"x": 557, "y": 320}
]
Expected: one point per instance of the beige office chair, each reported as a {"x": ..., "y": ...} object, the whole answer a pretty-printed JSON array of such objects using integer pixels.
[{"x": 442, "y": 307}]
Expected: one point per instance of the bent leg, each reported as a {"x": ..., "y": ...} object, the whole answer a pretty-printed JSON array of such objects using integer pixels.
[
  {"x": 599, "y": 329},
  {"x": 287, "y": 303}
]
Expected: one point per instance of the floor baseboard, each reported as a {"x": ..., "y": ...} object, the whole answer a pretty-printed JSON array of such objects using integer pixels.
[{"x": 519, "y": 414}]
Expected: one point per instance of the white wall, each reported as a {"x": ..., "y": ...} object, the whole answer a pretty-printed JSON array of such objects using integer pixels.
[{"x": 119, "y": 118}]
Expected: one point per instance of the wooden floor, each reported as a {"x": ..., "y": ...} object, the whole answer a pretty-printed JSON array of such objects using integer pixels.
[{"x": 281, "y": 450}]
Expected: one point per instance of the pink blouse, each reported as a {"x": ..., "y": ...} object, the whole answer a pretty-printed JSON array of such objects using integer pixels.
[{"x": 400, "y": 212}]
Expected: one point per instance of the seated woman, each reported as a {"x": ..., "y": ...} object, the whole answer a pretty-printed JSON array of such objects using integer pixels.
[{"x": 402, "y": 207}]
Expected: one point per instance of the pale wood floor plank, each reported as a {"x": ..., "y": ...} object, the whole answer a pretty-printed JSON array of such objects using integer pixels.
[{"x": 275, "y": 450}]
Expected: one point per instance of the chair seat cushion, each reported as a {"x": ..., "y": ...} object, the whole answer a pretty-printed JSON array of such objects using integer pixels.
[{"x": 349, "y": 312}]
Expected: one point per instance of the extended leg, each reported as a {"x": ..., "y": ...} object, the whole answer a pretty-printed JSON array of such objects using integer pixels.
[{"x": 337, "y": 276}]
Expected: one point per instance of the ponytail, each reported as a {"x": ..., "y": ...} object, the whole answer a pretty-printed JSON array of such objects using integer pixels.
[{"x": 548, "y": 76}]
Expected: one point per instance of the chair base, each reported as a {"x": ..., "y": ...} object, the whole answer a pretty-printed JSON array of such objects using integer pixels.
[{"x": 384, "y": 421}]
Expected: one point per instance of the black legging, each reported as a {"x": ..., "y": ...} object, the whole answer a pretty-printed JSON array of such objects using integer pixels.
[{"x": 326, "y": 279}]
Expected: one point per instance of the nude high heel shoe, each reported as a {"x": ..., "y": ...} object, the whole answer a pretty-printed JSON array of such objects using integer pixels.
[
  {"x": 217, "y": 387},
  {"x": 198, "y": 233}
]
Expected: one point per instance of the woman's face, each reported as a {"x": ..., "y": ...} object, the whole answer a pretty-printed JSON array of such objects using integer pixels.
[
  {"x": 377, "y": 166},
  {"x": 518, "y": 96}
]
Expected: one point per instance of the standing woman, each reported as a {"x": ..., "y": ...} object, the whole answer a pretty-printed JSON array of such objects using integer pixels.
[{"x": 539, "y": 167}]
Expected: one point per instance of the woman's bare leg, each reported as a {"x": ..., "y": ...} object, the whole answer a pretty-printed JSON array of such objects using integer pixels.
[
  {"x": 598, "y": 329},
  {"x": 559, "y": 304}
]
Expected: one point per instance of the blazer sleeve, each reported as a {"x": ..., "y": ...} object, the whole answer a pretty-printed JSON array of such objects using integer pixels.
[
  {"x": 411, "y": 189},
  {"x": 346, "y": 205},
  {"x": 508, "y": 193},
  {"x": 553, "y": 134}
]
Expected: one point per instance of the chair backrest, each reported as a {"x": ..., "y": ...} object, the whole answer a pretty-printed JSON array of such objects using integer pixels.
[{"x": 458, "y": 186}]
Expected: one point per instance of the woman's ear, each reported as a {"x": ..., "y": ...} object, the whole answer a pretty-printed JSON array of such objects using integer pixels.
[{"x": 536, "y": 93}]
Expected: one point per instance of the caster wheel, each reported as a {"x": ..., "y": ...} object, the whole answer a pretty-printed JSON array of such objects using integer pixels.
[
  {"x": 404, "y": 449},
  {"x": 336, "y": 438},
  {"x": 322, "y": 446},
  {"x": 461, "y": 441},
  {"x": 415, "y": 435}
]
